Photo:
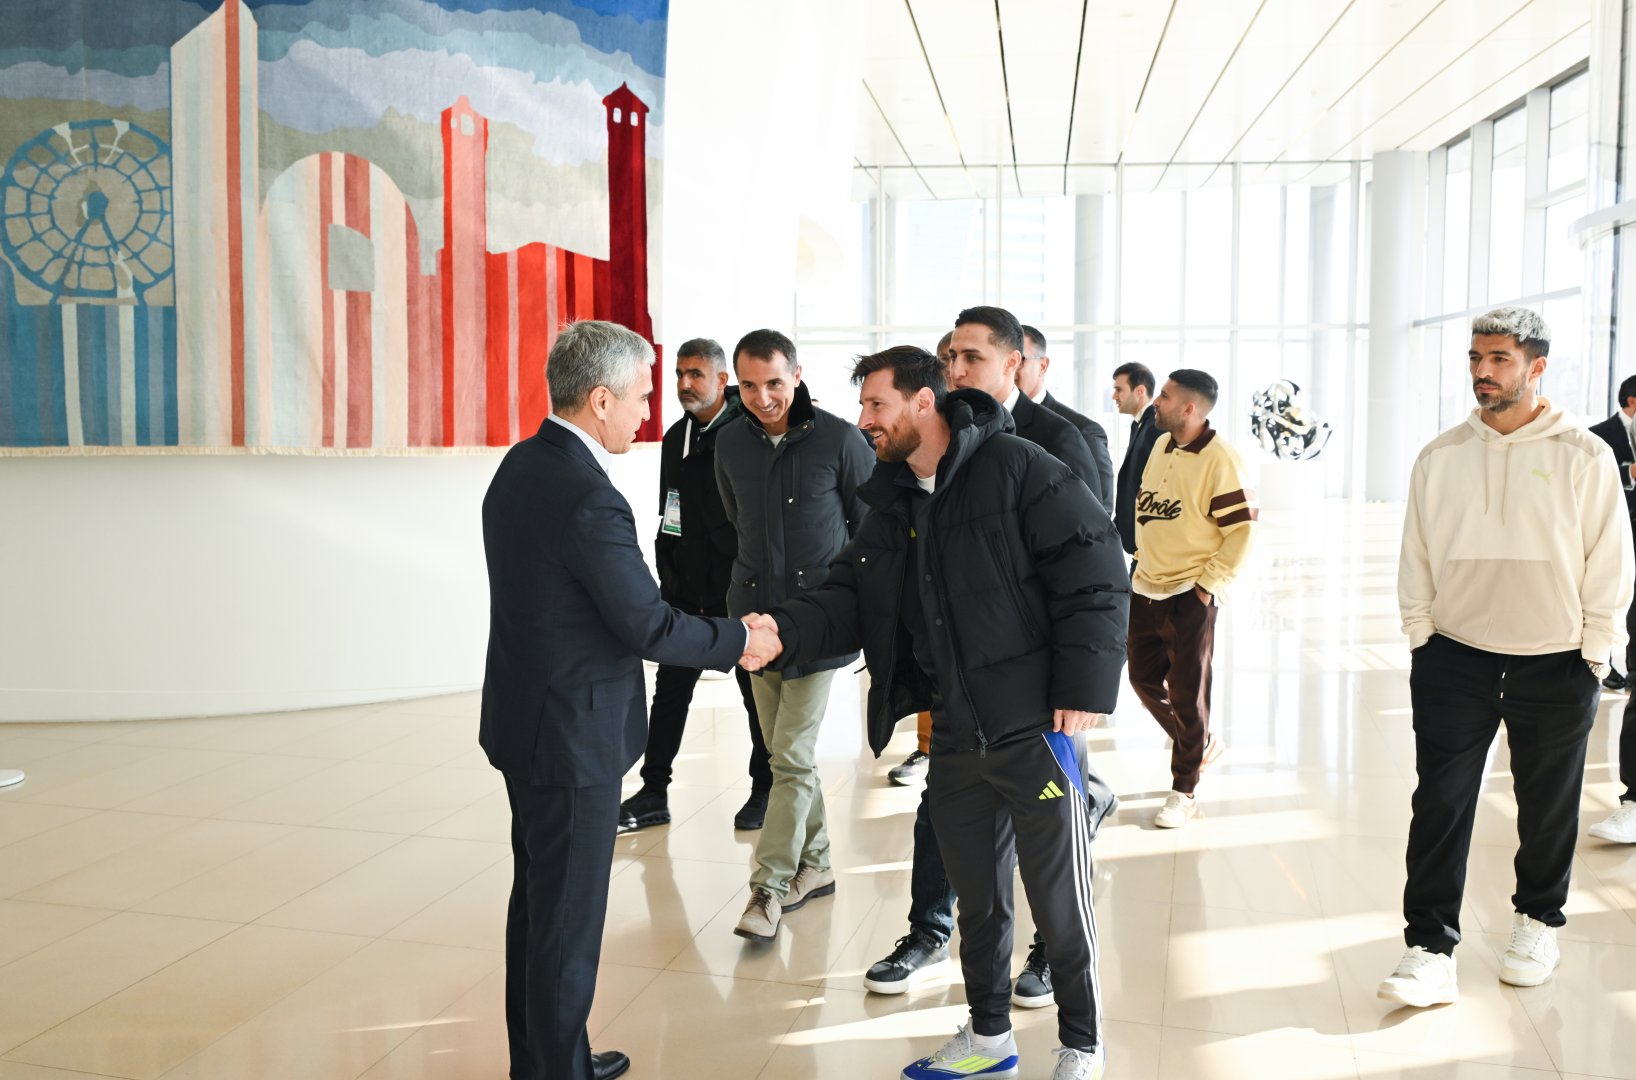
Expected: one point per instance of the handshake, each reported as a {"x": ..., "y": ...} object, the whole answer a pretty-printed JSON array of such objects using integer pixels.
[{"x": 763, "y": 646}]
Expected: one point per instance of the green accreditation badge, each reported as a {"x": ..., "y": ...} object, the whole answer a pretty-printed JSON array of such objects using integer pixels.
[{"x": 673, "y": 513}]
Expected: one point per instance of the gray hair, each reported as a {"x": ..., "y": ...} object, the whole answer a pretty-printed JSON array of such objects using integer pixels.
[
  {"x": 1522, "y": 324},
  {"x": 705, "y": 349},
  {"x": 590, "y": 354}
]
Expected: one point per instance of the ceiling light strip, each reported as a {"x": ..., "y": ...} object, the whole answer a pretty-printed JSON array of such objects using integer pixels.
[
  {"x": 906, "y": 155},
  {"x": 1073, "y": 99},
  {"x": 1220, "y": 75}
]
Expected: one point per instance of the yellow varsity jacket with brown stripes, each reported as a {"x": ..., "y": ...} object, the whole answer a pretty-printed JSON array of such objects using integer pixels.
[{"x": 1195, "y": 516}]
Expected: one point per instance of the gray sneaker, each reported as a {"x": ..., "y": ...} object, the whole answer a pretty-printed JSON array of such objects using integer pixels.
[
  {"x": 809, "y": 883},
  {"x": 760, "y": 919},
  {"x": 911, "y": 770}
]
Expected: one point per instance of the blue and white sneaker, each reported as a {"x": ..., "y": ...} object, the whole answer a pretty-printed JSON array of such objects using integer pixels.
[
  {"x": 960, "y": 1057},
  {"x": 1080, "y": 1064}
]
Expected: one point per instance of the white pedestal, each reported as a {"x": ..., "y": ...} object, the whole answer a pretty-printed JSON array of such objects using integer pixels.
[
  {"x": 1290, "y": 485},
  {"x": 8, "y": 777}
]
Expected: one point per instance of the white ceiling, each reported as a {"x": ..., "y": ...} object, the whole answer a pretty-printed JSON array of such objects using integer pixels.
[{"x": 1045, "y": 96}]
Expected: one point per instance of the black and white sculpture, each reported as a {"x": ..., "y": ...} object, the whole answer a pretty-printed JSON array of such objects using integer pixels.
[{"x": 1285, "y": 429}]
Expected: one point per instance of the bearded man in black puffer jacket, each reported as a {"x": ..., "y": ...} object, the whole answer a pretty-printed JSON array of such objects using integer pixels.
[{"x": 987, "y": 585}]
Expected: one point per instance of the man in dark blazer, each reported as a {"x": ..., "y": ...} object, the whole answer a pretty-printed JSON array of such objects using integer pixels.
[
  {"x": 1133, "y": 386},
  {"x": 1619, "y": 432},
  {"x": 1031, "y": 380},
  {"x": 573, "y": 612}
]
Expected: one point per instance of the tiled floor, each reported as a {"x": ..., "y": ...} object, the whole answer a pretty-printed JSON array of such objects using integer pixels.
[{"x": 319, "y": 895}]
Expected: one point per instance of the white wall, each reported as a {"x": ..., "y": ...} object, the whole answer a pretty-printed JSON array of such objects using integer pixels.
[{"x": 180, "y": 585}]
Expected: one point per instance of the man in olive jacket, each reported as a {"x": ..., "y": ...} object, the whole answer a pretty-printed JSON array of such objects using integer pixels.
[
  {"x": 988, "y": 585},
  {"x": 789, "y": 475}
]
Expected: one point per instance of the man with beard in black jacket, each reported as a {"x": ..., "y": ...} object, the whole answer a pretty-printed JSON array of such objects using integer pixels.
[{"x": 988, "y": 585}]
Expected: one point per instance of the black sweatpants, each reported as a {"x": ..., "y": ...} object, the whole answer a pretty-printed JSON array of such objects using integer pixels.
[
  {"x": 1627, "y": 749},
  {"x": 562, "y": 842},
  {"x": 667, "y": 719},
  {"x": 1020, "y": 802},
  {"x": 1460, "y": 695}
]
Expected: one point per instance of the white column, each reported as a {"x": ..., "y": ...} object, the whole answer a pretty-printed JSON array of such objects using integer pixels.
[
  {"x": 1089, "y": 379},
  {"x": 1394, "y": 282}
]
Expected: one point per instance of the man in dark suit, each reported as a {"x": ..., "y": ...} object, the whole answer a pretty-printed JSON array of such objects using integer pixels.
[
  {"x": 1133, "y": 387},
  {"x": 1619, "y": 432},
  {"x": 573, "y": 612},
  {"x": 1031, "y": 380}
]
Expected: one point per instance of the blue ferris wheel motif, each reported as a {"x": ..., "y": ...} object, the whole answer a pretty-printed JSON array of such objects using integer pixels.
[{"x": 85, "y": 211}]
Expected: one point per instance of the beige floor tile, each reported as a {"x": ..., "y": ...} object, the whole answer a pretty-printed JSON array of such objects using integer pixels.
[
  {"x": 347, "y": 1019},
  {"x": 417, "y": 804},
  {"x": 26, "y": 927},
  {"x": 357, "y": 735},
  {"x": 308, "y": 799},
  {"x": 19, "y": 820},
  {"x": 472, "y": 916},
  {"x": 1274, "y": 878},
  {"x": 144, "y": 870},
  {"x": 436, "y": 744},
  {"x": 153, "y": 771},
  {"x": 50, "y": 779},
  {"x": 20, "y": 751},
  {"x": 464, "y": 706},
  {"x": 656, "y": 907},
  {"x": 1393, "y": 1067},
  {"x": 87, "y": 731},
  {"x": 259, "y": 733},
  {"x": 17, "y": 1070},
  {"x": 685, "y": 1025},
  {"x": 258, "y": 881},
  {"x": 489, "y": 818},
  {"x": 219, "y": 789},
  {"x": 383, "y": 891},
  {"x": 52, "y": 984},
  {"x": 1187, "y": 1055},
  {"x": 1586, "y": 1014},
  {"x": 1251, "y": 973},
  {"x": 52, "y": 853},
  {"x": 173, "y": 1014}
]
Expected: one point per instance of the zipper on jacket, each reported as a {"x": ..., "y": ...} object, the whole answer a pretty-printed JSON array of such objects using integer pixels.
[{"x": 960, "y": 671}]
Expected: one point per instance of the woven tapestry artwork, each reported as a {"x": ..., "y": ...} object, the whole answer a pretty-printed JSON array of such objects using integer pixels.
[{"x": 315, "y": 226}]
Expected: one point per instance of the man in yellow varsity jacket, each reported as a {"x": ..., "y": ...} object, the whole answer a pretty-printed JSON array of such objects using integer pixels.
[{"x": 1195, "y": 520}]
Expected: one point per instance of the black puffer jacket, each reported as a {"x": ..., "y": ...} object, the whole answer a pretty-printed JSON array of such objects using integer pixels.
[
  {"x": 795, "y": 506},
  {"x": 695, "y": 567},
  {"x": 1023, "y": 584}
]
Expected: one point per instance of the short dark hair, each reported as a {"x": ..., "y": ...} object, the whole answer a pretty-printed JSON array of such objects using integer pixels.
[
  {"x": 1136, "y": 375},
  {"x": 762, "y": 345},
  {"x": 1200, "y": 382},
  {"x": 1003, "y": 328},
  {"x": 943, "y": 342},
  {"x": 1032, "y": 336},
  {"x": 1627, "y": 390},
  {"x": 705, "y": 349},
  {"x": 912, "y": 367}
]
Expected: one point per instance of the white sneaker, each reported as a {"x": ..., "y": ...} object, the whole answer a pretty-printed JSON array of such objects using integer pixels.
[
  {"x": 1422, "y": 978},
  {"x": 961, "y": 1057},
  {"x": 1080, "y": 1064},
  {"x": 1620, "y": 827},
  {"x": 1532, "y": 956},
  {"x": 1177, "y": 811}
]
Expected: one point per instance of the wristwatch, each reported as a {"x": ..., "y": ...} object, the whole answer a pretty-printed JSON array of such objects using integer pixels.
[{"x": 1601, "y": 671}]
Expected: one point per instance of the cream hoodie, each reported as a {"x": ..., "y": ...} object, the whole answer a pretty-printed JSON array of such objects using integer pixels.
[{"x": 1517, "y": 543}]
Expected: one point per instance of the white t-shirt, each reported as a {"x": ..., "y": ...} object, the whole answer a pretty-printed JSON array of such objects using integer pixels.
[{"x": 928, "y": 484}]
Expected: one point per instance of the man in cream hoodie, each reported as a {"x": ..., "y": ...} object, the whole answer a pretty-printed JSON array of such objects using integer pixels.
[{"x": 1513, "y": 583}]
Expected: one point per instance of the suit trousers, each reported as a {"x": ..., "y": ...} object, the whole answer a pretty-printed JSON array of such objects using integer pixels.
[
  {"x": 1170, "y": 647},
  {"x": 1459, "y": 696},
  {"x": 931, "y": 897},
  {"x": 667, "y": 719},
  {"x": 562, "y": 842},
  {"x": 795, "y": 832},
  {"x": 1020, "y": 803},
  {"x": 1627, "y": 749}
]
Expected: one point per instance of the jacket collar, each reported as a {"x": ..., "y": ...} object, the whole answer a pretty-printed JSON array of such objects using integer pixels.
[
  {"x": 973, "y": 419},
  {"x": 1197, "y": 445},
  {"x": 570, "y": 439},
  {"x": 802, "y": 413}
]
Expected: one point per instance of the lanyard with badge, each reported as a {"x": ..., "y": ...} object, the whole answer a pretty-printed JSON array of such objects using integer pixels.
[{"x": 672, "y": 523}]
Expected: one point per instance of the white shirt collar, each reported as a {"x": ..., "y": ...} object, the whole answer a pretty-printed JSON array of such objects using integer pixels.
[
  {"x": 1041, "y": 399},
  {"x": 1630, "y": 422},
  {"x": 598, "y": 451},
  {"x": 1011, "y": 402}
]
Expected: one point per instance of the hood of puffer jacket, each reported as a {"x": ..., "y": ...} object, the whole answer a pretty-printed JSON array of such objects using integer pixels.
[
  {"x": 973, "y": 418},
  {"x": 1550, "y": 421}
]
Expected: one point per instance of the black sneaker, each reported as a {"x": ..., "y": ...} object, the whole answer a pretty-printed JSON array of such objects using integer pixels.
[
  {"x": 753, "y": 814},
  {"x": 644, "y": 809},
  {"x": 913, "y": 959},
  {"x": 911, "y": 770},
  {"x": 1033, "y": 988}
]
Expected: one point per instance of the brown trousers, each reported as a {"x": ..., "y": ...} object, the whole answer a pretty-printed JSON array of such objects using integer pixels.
[{"x": 1168, "y": 649}]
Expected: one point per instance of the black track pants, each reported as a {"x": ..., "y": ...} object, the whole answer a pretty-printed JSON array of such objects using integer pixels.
[{"x": 1020, "y": 803}]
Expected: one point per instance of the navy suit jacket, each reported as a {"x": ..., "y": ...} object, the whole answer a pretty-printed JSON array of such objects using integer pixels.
[
  {"x": 1056, "y": 437},
  {"x": 1096, "y": 440},
  {"x": 573, "y": 612}
]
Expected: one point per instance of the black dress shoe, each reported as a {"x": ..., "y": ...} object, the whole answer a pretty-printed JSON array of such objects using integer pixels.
[
  {"x": 1615, "y": 681},
  {"x": 753, "y": 814},
  {"x": 643, "y": 809},
  {"x": 609, "y": 1064}
]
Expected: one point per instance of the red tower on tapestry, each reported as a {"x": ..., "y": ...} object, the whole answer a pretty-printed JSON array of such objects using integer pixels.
[
  {"x": 628, "y": 210},
  {"x": 462, "y": 267}
]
